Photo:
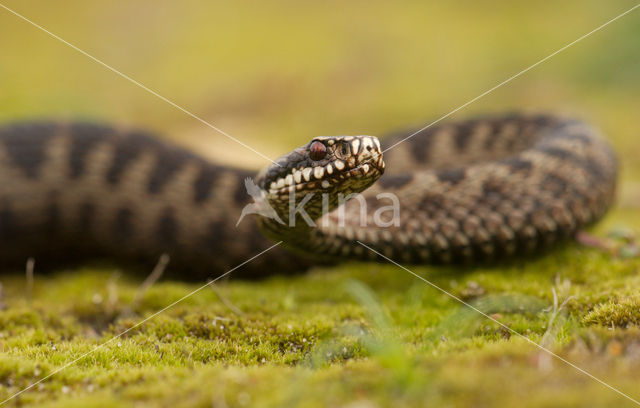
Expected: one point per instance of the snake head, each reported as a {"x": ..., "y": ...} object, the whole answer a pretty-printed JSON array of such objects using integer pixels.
[{"x": 326, "y": 166}]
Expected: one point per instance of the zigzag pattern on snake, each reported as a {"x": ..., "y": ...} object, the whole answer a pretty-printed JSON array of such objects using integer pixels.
[{"x": 469, "y": 191}]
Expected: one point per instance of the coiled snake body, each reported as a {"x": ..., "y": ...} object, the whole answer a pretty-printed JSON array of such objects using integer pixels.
[{"x": 480, "y": 189}]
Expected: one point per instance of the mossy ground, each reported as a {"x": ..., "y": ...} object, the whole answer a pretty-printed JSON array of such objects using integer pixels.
[{"x": 359, "y": 335}]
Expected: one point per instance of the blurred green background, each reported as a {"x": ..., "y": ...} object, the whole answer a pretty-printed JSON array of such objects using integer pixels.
[{"x": 274, "y": 74}]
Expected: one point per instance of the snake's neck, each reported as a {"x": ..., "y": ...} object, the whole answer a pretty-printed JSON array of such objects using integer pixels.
[
  {"x": 333, "y": 228},
  {"x": 295, "y": 218}
]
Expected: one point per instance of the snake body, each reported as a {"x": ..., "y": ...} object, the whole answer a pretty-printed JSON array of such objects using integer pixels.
[{"x": 468, "y": 191}]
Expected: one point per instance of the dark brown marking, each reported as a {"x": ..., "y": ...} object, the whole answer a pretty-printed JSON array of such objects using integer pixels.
[
  {"x": 167, "y": 229},
  {"x": 168, "y": 163},
  {"x": 86, "y": 214},
  {"x": 52, "y": 220},
  {"x": 558, "y": 152},
  {"x": 216, "y": 234},
  {"x": 123, "y": 223},
  {"x": 421, "y": 144},
  {"x": 25, "y": 145},
  {"x": 595, "y": 170},
  {"x": 492, "y": 185},
  {"x": 494, "y": 134},
  {"x": 431, "y": 203},
  {"x": 463, "y": 133},
  {"x": 240, "y": 195},
  {"x": 512, "y": 142},
  {"x": 542, "y": 120},
  {"x": 584, "y": 139},
  {"x": 516, "y": 137},
  {"x": 257, "y": 242},
  {"x": 127, "y": 150},
  {"x": 517, "y": 164},
  {"x": 452, "y": 176},
  {"x": 395, "y": 181},
  {"x": 84, "y": 137},
  {"x": 556, "y": 184},
  {"x": 570, "y": 157},
  {"x": 205, "y": 182},
  {"x": 8, "y": 223}
]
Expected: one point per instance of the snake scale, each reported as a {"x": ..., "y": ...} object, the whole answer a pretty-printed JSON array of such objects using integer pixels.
[{"x": 481, "y": 189}]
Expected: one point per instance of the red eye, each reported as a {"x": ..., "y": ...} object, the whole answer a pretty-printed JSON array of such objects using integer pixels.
[{"x": 317, "y": 151}]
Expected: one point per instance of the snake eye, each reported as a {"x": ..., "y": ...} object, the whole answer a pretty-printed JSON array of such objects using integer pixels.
[{"x": 317, "y": 151}]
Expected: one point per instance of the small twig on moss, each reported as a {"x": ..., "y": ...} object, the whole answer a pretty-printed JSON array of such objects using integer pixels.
[
  {"x": 555, "y": 310},
  {"x": 544, "y": 359},
  {"x": 621, "y": 243},
  {"x": 153, "y": 277},
  {"x": 226, "y": 301},
  {"x": 29, "y": 272},
  {"x": 112, "y": 293}
]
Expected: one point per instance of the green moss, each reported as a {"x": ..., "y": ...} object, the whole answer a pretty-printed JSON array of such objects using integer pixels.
[
  {"x": 616, "y": 313},
  {"x": 358, "y": 333}
]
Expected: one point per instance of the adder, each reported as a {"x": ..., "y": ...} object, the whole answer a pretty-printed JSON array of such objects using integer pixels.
[{"x": 472, "y": 191}]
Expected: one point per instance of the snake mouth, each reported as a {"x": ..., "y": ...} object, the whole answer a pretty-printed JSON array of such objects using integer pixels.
[{"x": 325, "y": 178}]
